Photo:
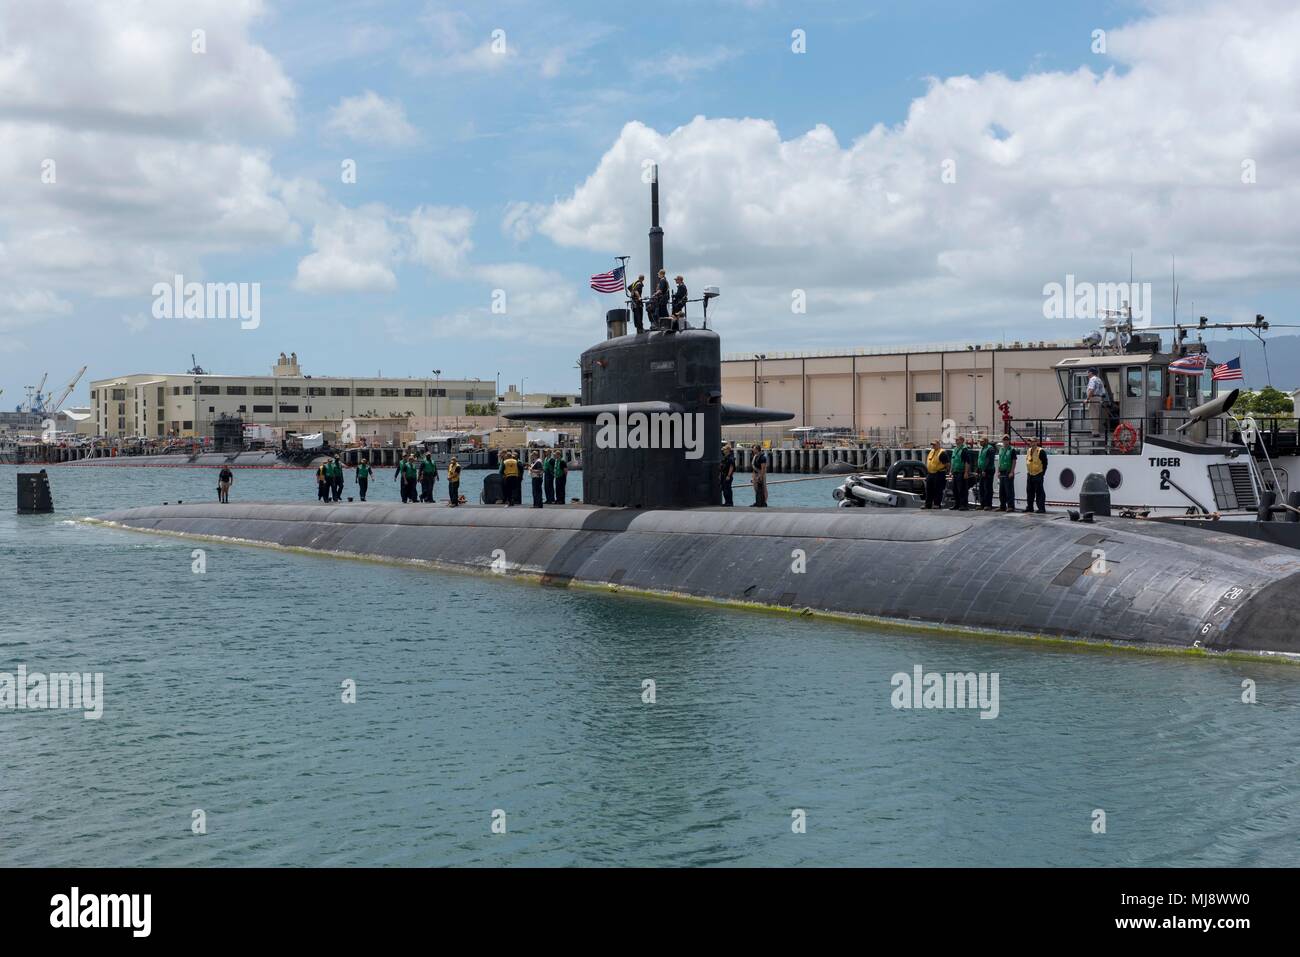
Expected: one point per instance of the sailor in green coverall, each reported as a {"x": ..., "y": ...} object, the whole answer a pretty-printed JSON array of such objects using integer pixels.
[
  {"x": 986, "y": 464},
  {"x": 548, "y": 479},
  {"x": 363, "y": 477}
]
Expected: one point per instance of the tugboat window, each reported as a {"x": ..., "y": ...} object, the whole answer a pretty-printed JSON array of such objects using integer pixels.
[
  {"x": 1067, "y": 478},
  {"x": 1078, "y": 386},
  {"x": 1114, "y": 479},
  {"x": 1133, "y": 387}
]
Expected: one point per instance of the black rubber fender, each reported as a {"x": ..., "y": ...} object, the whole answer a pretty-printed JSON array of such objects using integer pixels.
[{"x": 903, "y": 466}]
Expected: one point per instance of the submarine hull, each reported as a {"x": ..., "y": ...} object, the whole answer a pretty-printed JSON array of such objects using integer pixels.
[{"x": 1143, "y": 585}]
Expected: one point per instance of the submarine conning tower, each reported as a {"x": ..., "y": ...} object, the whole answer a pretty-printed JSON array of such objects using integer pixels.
[
  {"x": 671, "y": 460},
  {"x": 652, "y": 410}
]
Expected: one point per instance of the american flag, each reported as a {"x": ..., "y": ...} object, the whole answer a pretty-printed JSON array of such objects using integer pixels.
[
  {"x": 1189, "y": 365},
  {"x": 1228, "y": 370},
  {"x": 611, "y": 281}
]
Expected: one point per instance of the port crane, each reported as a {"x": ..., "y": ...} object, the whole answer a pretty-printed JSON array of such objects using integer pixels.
[
  {"x": 39, "y": 402},
  {"x": 56, "y": 404},
  {"x": 35, "y": 397}
]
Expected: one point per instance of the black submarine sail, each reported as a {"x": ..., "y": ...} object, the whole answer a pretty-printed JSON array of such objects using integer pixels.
[{"x": 652, "y": 410}]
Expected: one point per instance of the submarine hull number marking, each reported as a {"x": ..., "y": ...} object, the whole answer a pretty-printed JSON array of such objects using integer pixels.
[{"x": 1230, "y": 597}]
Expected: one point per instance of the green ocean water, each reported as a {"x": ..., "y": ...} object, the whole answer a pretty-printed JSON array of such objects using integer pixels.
[{"x": 222, "y": 693}]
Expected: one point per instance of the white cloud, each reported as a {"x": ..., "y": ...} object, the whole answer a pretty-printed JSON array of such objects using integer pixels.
[
  {"x": 120, "y": 147},
  {"x": 520, "y": 220},
  {"x": 1055, "y": 173},
  {"x": 440, "y": 237},
  {"x": 29, "y": 307},
  {"x": 686, "y": 66},
  {"x": 361, "y": 249},
  {"x": 356, "y": 250},
  {"x": 370, "y": 118},
  {"x": 131, "y": 68}
]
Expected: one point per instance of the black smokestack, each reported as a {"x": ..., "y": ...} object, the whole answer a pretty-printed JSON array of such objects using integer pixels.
[{"x": 656, "y": 234}]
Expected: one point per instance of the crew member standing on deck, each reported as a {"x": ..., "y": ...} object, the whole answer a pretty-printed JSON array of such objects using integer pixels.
[
  {"x": 548, "y": 476},
  {"x": 634, "y": 294},
  {"x": 1007, "y": 475},
  {"x": 758, "y": 477},
  {"x": 1096, "y": 399},
  {"x": 986, "y": 467},
  {"x": 322, "y": 483},
  {"x": 411, "y": 477},
  {"x": 428, "y": 477},
  {"x": 453, "y": 482},
  {"x": 727, "y": 472},
  {"x": 659, "y": 302},
  {"x": 409, "y": 472},
  {"x": 363, "y": 477},
  {"x": 338, "y": 479},
  {"x": 1036, "y": 471},
  {"x": 224, "y": 478},
  {"x": 561, "y": 470},
  {"x": 960, "y": 465},
  {"x": 535, "y": 472},
  {"x": 936, "y": 466},
  {"x": 510, "y": 478},
  {"x": 679, "y": 304}
]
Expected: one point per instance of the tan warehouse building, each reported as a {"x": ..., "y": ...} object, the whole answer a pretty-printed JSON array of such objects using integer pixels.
[
  {"x": 185, "y": 404},
  {"x": 901, "y": 396}
]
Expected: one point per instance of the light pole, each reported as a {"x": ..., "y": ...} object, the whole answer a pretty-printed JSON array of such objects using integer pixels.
[
  {"x": 758, "y": 383},
  {"x": 437, "y": 408},
  {"x": 497, "y": 403}
]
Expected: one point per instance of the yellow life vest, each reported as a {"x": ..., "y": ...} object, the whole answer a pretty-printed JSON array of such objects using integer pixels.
[
  {"x": 1035, "y": 462},
  {"x": 511, "y": 468},
  {"x": 453, "y": 472},
  {"x": 932, "y": 463}
]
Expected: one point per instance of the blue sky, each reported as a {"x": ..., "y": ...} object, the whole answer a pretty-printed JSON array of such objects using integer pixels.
[{"x": 479, "y": 170}]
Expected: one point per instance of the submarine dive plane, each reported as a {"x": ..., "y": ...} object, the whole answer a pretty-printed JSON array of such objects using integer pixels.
[{"x": 650, "y": 523}]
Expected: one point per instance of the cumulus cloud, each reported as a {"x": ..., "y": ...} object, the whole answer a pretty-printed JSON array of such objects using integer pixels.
[
  {"x": 369, "y": 118},
  {"x": 360, "y": 249},
  {"x": 26, "y": 307},
  {"x": 120, "y": 145},
  {"x": 440, "y": 237},
  {"x": 355, "y": 251},
  {"x": 991, "y": 187}
]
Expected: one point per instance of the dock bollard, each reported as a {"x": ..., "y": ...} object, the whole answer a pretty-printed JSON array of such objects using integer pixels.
[
  {"x": 1094, "y": 495},
  {"x": 1266, "y": 500}
]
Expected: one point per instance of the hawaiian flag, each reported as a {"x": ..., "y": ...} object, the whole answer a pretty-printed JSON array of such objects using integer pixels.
[
  {"x": 611, "y": 281},
  {"x": 1228, "y": 370},
  {"x": 1189, "y": 365}
]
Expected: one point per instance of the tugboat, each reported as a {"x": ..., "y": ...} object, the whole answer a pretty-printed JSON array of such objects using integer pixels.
[{"x": 1163, "y": 434}]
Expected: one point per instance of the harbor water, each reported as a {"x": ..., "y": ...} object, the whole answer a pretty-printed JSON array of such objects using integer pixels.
[{"x": 504, "y": 723}]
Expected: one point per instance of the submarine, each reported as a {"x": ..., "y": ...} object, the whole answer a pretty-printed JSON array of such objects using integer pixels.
[{"x": 651, "y": 523}]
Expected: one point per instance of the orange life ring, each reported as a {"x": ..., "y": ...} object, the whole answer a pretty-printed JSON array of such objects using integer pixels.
[{"x": 1124, "y": 438}]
